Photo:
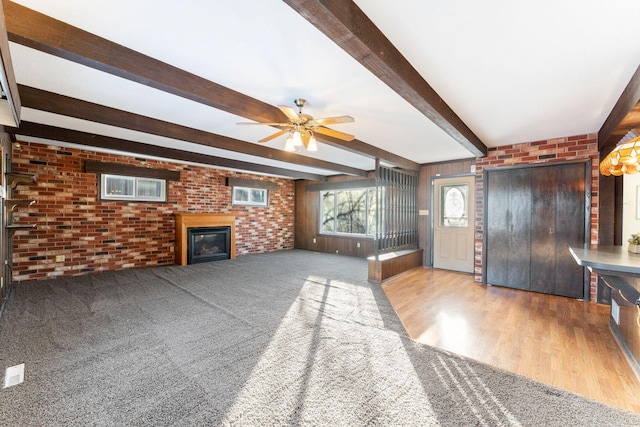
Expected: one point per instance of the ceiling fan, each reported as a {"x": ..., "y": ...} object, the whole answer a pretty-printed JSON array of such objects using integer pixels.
[{"x": 301, "y": 127}]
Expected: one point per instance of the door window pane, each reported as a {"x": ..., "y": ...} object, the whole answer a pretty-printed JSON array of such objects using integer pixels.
[{"x": 454, "y": 205}]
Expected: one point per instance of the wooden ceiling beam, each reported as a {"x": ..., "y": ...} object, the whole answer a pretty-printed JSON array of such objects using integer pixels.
[
  {"x": 628, "y": 99},
  {"x": 41, "y": 32},
  {"x": 10, "y": 102},
  {"x": 37, "y": 130},
  {"x": 59, "y": 104},
  {"x": 345, "y": 23},
  {"x": 38, "y": 31}
]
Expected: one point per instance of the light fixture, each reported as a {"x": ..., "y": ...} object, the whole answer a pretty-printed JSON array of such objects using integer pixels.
[
  {"x": 624, "y": 158},
  {"x": 288, "y": 146},
  {"x": 313, "y": 144},
  {"x": 300, "y": 128},
  {"x": 297, "y": 138},
  {"x": 300, "y": 137}
]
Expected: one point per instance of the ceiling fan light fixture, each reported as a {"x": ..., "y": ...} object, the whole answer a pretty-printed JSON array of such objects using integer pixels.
[
  {"x": 300, "y": 128},
  {"x": 289, "y": 146},
  {"x": 313, "y": 144},
  {"x": 297, "y": 139}
]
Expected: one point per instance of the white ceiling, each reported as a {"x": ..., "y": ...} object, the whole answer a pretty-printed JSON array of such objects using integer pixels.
[{"x": 512, "y": 71}]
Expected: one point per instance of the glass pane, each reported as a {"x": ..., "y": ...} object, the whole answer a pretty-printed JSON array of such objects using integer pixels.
[
  {"x": 328, "y": 212},
  {"x": 149, "y": 188},
  {"x": 209, "y": 243},
  {"x": 259, "y": 197},
  {"x": 372, "y": 213},
  {"x": 351, "y": 211},
  {"x": 118, "y": 186},
  {"x": 240, "y": 195},
  {"x": 454, "y": 205}
]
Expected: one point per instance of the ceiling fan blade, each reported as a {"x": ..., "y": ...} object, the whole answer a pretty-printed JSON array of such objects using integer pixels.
[
  {"x": 334, "y": 133},
  {"x": 275, "y": 135},
  {"x": 289, "y": 112},
  {"x": 331, "y": 121}
]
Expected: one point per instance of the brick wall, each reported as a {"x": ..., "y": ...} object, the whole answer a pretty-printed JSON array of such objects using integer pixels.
[
  {"x": 95, "y": 235},
  {"x": 552, "y": 150}
]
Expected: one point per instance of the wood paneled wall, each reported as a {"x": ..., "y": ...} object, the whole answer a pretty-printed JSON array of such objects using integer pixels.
[
  {"x": 307, "y": 226},
  {"x": 308, "y": 214},
  {"x": 427, "y": 173},
  {"x": 610, "y": 219}
]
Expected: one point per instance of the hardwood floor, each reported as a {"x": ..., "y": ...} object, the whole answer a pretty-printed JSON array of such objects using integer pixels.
[{"x": 555, "y": 340}]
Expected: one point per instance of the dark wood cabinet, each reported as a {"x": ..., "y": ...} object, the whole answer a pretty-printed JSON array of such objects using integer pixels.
[
  {"x": 532, "y": 215},
  {"x": 508, "y": 228}
]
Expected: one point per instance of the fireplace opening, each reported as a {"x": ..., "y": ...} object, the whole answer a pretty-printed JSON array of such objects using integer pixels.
[{"x": 208, "y": 244}]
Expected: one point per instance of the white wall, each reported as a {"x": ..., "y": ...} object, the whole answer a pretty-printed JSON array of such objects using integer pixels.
[{"x": 630, "y": 222}]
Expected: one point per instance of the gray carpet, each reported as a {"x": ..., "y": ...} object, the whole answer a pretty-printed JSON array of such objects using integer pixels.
[{"x": 286, "y": 338}]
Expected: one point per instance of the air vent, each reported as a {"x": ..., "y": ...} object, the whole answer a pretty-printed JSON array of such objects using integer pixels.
[
  {"x": 615, "y": 311},
  {"x": 14, "y": 375}
]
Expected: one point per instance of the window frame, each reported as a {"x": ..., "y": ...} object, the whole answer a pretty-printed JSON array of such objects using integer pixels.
[
  {"x": 249, "y": 202},
  {"x": 135, "y": 197},
  {"x": 368, "y": 234}
]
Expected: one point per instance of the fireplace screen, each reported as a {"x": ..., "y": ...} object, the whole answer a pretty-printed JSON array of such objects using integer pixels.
[{"x": 208, "y": 244}]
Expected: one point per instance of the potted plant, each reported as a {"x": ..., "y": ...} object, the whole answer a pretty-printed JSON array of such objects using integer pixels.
[{"x": 634, "y": 243}]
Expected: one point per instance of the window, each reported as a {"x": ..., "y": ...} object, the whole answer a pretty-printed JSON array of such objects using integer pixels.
[
  {"x": 117, "y": 187},
  {"x": 348, "y": 211},
  {"x": 250, "y": 196},
  {"x": 454, "y": 205}
]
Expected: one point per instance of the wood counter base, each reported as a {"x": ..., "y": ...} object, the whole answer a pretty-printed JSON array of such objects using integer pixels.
[{"x": 620, "y": 270}]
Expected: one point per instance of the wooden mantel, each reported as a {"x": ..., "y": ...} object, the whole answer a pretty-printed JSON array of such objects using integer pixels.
[{"x": 185, "y": 221}]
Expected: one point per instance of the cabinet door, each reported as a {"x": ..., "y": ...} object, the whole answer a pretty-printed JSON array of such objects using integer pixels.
[
  {"x": 544, "y": 181},
  {"x": 508, "y": 228},
  {"x": 497, "y": 223},
  {"x": 558, "y": 219},
  {"x": 533, "y": 215},
  {"x": 570, "y": 229}
]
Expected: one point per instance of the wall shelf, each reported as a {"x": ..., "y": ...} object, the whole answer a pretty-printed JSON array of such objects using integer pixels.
[
  {"x": 12, "y": 181},
  {"x": 15, "y": 179},
  {"x": 13, "y": 203},
  {"x": 12, "y": 228}
]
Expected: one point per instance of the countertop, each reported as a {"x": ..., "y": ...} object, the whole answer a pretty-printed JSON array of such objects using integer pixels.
[{"x": 607, "y": 259}]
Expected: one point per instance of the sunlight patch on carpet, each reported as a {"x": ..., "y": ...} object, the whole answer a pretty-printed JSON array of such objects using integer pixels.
[
  {"x": 331, "y": 346},
  {"x": 471, "y": 390}
]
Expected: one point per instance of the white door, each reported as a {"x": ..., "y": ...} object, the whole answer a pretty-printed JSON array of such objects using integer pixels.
[{"x": 453, "y": 223}]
